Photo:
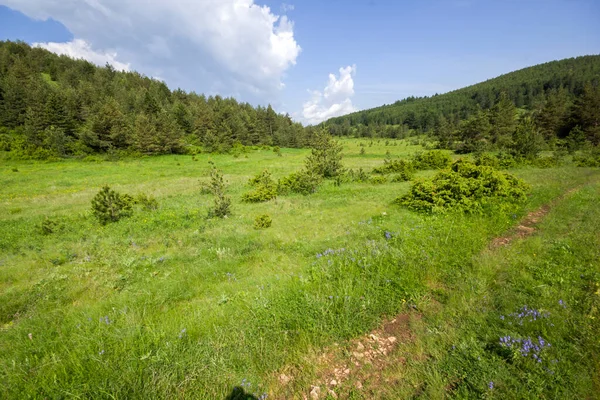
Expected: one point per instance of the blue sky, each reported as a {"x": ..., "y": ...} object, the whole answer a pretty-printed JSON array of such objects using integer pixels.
[{"x": 378, "y": 51}]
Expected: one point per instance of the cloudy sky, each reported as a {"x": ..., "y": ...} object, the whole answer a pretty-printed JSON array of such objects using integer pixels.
[{"x": 314, "y": 59}]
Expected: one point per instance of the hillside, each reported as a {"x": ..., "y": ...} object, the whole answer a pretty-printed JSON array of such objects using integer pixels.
[
  {"x": 527, "y": 88},
  {"x": 55, "y": 106}
]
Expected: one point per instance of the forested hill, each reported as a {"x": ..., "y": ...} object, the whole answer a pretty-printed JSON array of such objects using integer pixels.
[
  {"x": 527, "y": 88},
  {"x": 53, "y": 105}
]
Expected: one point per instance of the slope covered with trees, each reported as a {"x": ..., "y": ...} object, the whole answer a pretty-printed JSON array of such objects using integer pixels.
[
  {"x": 557, "y": 95},
  {"x": 53, "y": 105}
]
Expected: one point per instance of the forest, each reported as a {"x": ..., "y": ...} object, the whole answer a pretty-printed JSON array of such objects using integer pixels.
[
  {"x": 560, "y": 99},
  {"x": 55, "y": 106}
]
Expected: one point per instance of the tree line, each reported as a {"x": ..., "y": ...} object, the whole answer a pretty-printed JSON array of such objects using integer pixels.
[
  {"x": 53, "y": 105},
  {"x": 558, "y": 97}
]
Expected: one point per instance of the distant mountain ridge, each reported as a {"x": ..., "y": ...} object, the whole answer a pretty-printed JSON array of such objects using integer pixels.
[{"x": 526, "y": 88}]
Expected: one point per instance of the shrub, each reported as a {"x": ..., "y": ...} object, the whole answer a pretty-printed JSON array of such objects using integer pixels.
[
  {"x": 326, "y": 157},
  {"x": 262, "y": 221},
  {"x": 110, "y": 206},
  {"x": 465, "y": 187},
  {"x": 358, "y": 175},
  {"x": 588, "y": 159},
  {"x": 395, "y": 166},
  {"x": 433, "y": 159},
  {"x": 378, "y": 179},
  {"x": 502, "y": 160},
  {"x": 506, "y": 160},
  {"x": 265, "y": 188},
  {"x": 222, "y": 203},
  {"x": 277, "y": 150},
  {"x": 486, "y": 159},
  {"x": 302, "y": 182},
  {"x": 545, "y": 162},
  {"x": 362, "y": 151},
  {"x": 50, "y": 226},
  {"x": 148, "y": 203},
  {"x": 401, "y": 177}
]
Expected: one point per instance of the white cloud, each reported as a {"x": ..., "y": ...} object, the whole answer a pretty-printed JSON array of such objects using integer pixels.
[
  {"x": 334, "y": 100},
  {"x": 81, "y": 49},
  {"x": 233, "y": 46}
]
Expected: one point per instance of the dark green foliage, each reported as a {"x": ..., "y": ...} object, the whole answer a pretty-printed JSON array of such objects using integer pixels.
[
  {"x": 302, "y": 182},
  {"x": 588, "y": 159},
  {"x": 433, "y": 159},
  {"x": 403, "y": 167},
  {"x": 51, "y": 225},
  {"x": 277, "y": 150},
  {"x": 524, "y": 88},
  {"x": 56, "y": 107},
  {"x": 486, "y": 159},
  {"x": 262, "y": 221},
  {"x": 576, "y": 140},
  {"x": 110, "y": 206},
  {"x": 587, "y": 112},
  {"x": 222, "y": 202},
  {"x": 465, "y": 187},
  {"x": 527, "y": 140},
  {"x": 326, "y": 157},
  {"x": 474, "y": 133}
]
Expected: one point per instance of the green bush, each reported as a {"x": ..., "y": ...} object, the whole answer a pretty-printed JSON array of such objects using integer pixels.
[
  {"x": 326, "y": 157},
  {"x": 265, "y": 188},
  {"x": 433, "y": 159},
  {"x": 502, "y": 160},
  {"x": 110, "y": 206},
  {"x": 486, "y": 159},
  {"x": 148, "y": 203},
  {"x": 358, "y": 175},
  {"x": 302, "y": 182},
  {"x": 395, "y": 166},
  {"x": 588, "y": 159},
  {"x": 51, "y": 225},
  {"x": 545, "y": 162},
  {"x": 506, "y": 160},
  {"x": 262, "y": 221},
  {"x": 465, "y": 187},
  {"x": 401, "y": 177},
  {"x": 222, "y": 203},
  {"x": 378, "y": 179}
]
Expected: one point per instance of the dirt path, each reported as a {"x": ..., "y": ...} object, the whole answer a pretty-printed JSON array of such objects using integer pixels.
[
  {"x": 528, "y": 225},
  {"x": 359, "y": 365}
]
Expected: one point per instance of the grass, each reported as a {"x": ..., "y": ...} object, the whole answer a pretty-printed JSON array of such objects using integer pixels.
[{"x": 169, "y": 304}]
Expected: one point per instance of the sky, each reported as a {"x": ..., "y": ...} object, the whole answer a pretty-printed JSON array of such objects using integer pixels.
[{"x": 313, "y": 59}]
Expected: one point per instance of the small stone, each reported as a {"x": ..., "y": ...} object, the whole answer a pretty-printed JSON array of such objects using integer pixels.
[
  {"x": 374, "y": 337},
  {"x": 358, "y": 385},
  {"x": 315, "y": 392},
  {"x": 333, "y": 382},
  {"x": 392, "y": 339},
  {"x": 284, "y": 379},
  {"x": 360, "y": 346},
  {"x": 332, "y": 394},
  {"x": 358, "y": 355}
]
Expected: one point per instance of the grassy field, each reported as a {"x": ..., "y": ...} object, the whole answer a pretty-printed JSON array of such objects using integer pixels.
[{"x": 169, "y": 304}]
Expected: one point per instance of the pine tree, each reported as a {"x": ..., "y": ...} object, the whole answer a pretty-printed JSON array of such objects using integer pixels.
[{"x": 502, "y": 121}]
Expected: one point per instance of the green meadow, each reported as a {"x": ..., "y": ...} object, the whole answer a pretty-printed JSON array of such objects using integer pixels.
[{"x": 170, "y": 304}]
